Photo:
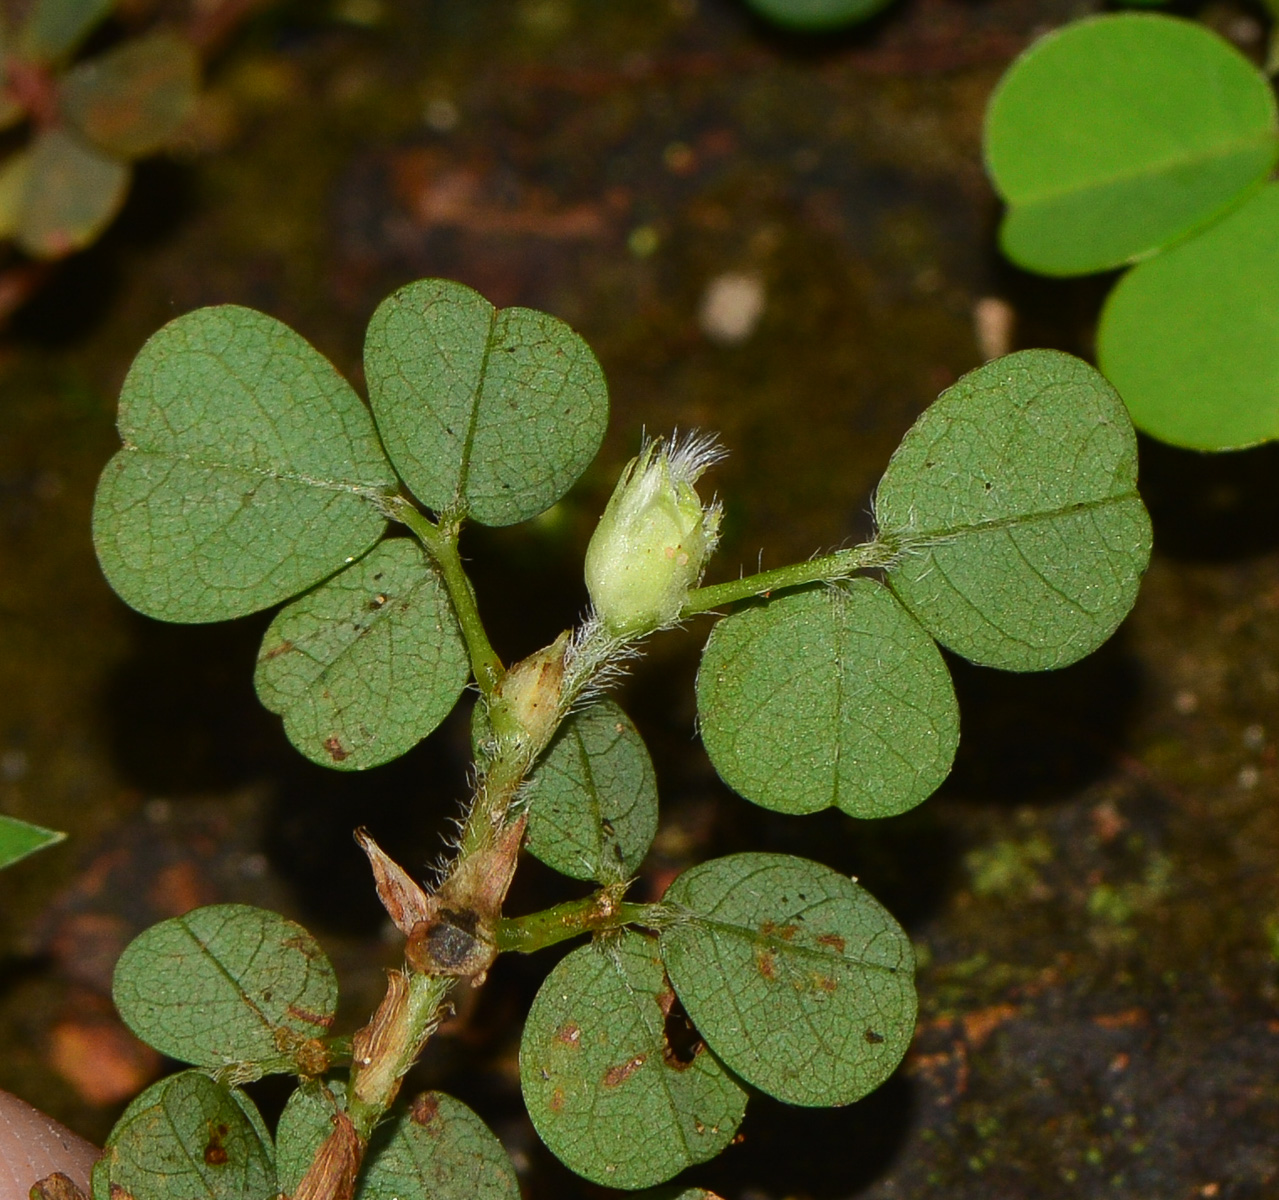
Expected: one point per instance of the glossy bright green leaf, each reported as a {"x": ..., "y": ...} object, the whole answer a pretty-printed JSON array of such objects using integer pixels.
[
  {"x": 130, "y": 100},
  {"x": 227, "y": 985},
  {"x": 305, "y": 1123},
  {"x": 817, "y": 15},
  {"x": 72, "y": 194},
  {"x": 833, "y": 696},
  {"x": 1018, "y": 492},
  {"x": 250, "y": 470},
  {"x": 54, "y": 28},
  {"x": 490, "y": 412},
  {"x": 593, "y": 797},
  {"x": 1190, "y": 339},
  {"x": 795, "y": 976},
  {"x": 20, "y": 838},
  {"x": 187, "y": 1138},
  {"x": 1116, "y": 135},
  {"x": 440, "y": 1149},
  {"x": 366, "y": 665},
  {"x": 612, "y": 1096}
]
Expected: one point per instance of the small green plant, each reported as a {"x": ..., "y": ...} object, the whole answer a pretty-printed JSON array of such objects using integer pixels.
[
  {"x": 1140, "y": 138},
  {"x": 89, "y": 120},
  {"x": 1009, "y": 530}
]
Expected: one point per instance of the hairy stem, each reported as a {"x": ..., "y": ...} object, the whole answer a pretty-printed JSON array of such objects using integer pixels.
[
  {"x": 592, "y": 914},
  {"x": 826, "y": 569},
  {"x": 440, "y": 542}
]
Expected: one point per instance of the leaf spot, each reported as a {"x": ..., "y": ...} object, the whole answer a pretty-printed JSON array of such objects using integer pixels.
[
  {"x": 785, "y": 932},
  {"x": 766, "y": 963},
  {"x": 557, "y": 1100},
  {"x": 873, "y": 1038},
  {"x": 424, "y": 1110},
  {"x": 336, "y": 751},
  {"x": 570, "y": 1034},
  {"x": 215, "y": 1152},
  {"x": 276, "y": 651},
  {"x": 833, "y": 940},
  {"x": 616, "y": 1076}
]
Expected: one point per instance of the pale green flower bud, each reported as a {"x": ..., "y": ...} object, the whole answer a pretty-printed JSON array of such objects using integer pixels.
[{"x": 654, "y": 538}]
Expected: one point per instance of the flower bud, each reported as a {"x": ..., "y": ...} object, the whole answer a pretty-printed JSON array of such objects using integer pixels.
[{"x": 654, "y": 538}]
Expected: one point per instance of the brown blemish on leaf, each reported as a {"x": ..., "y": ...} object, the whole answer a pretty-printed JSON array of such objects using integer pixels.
[
  {"x": 825, "y": 983},
  {"x": 119, "y": 1193},
  {"x": 425, "y": 1109},
  {"x": 570, "y": 1034},
  {"x": 214, "y": 1151},
  {"x": 616, "y": 1076},
  {"x": 276, "y": 651},
  {"x": 833, "y": 940},
  {"x": 337, "y": 752},
  {"x": 766, "y": 963},
  {"x": 557, "y": 1100},
  {"x": 310, "y": 1018},
  {"x": 785, "y": 932},
  {"x": 873, "y": 1038}
]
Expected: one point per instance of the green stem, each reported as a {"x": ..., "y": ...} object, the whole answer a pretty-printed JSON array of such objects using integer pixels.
[
  {"x": 826, "y": 569},
  {"x": 441, "y": 544},
  {"x": 588, "y": 915}
]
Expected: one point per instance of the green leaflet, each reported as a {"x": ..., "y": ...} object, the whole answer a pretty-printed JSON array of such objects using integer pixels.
[
  {"x": 20, "y": 838},
  {"x": 305, "y": 1123},
  {"x": 54, "y": 28},
  {"x": 130, "y": 100},
  {"x": 817, "y": 15},
  {"x": 250, "y": 470},
  {"x": 832, "y": 696},
  {"x": 487, "y": 412},
  {"x": 795, "y": 976},
  {"x": 607, "y": 1091},
  {"x": 1115, "y": 136},
  {"x": 440, "y": 1149},
  {"x": 228, "y": 986},
  {"x": 1016, "y": 493},
  {"x": 188, "y": 1138},
  {"x": 593, "y": 797},
  {"x": 1190, "y": 340},
  {"x": 366, "y": 665},
  {"x": 70, "y": 193}
]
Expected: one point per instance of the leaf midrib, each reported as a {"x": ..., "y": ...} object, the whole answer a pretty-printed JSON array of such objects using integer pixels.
[
  {"x": 1152, "y": 169},
  {"x": 368, "y": 491},
  {"x": 997, "y": 523}
]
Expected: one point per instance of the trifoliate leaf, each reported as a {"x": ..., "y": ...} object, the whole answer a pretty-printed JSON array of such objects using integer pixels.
[
  {"x": 20, "y": 838},
  {"x": 1114, "y": 136},
  {"x": 834, "y": 696},
  {"x": 130, "y": 100},
  {"x": 492, "y": 413},
  {"x": 795, "y": 976},
  {"x": 72, "y": 192},
  {"x": 229, "y": 986},
  {"x": 250, "y": 470},
  {"x": 366, "y": 665},
  {"x": 1190, "y": 340},
  {"x": 1017, "y": 495},
  {"x": 611, "y": 1088},
  {"x": 593, "y": 797},
  {"x": 440, "y": 1149},
  {"x": 187, "y": 1138}
]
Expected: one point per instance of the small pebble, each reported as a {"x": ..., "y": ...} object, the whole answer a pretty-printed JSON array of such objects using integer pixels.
[
  {"x": 993, "y": 323},
  {"x": 731, "y": 307}
]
